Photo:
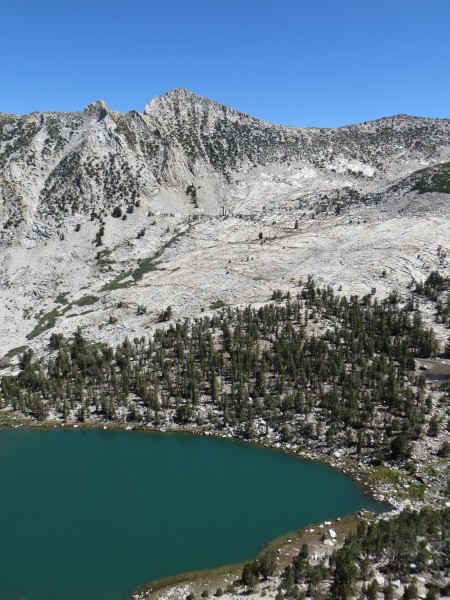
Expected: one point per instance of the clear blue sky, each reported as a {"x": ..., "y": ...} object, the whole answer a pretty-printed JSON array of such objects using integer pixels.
[{"x": 296, "y": 62}]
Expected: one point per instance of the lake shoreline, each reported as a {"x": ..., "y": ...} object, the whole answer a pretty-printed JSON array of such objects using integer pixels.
[
  {"x": 286, "y": 545},
  {"x": 343, "y": 464}
]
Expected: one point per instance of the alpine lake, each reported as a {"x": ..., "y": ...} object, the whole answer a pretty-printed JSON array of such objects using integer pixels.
[{"x": 93, "y": 514}]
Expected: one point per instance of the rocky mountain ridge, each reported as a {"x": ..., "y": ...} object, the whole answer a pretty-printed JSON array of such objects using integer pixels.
[
  {"x": 191, "y": 203},
  {"x": 58, "y": 164}
]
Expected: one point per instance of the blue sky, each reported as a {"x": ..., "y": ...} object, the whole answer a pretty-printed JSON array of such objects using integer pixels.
[{"x": 297, "y": 62}]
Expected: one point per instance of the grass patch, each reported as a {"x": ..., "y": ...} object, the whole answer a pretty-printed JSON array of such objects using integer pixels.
[
  {"x": 87, "y": 300},
  {"x": 431, "y": 471},
  {"x": 118, "y": 282},
  {"x": 16, "y": 351},
  {"x": 145, "y": 265},
  {"x": 416, "y": 491},
  {"x": 383, "y": 475},
  {"x": 61, "y": 299},
  {"x": 48, "y": 320},
  {"x": 217, "y": 304},
  {"x": 104, "y": 264},
  {"x": 45, "y": 322},
  {"x": 7, "y": 421},
  {"x": 85, "y": 312}
]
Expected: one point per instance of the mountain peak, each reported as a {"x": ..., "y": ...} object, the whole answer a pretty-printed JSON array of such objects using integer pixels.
[
  {"x": 98, "y": 108},
  {"x": 182, "y": 93},
  {"x": 175, "y": 96}
]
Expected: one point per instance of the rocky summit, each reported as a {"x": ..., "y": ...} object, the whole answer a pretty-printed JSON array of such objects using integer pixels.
[{"x": 108, "y": 219}]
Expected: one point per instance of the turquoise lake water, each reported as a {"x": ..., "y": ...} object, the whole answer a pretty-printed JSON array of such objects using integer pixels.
[{"x": 90, "y": 515}]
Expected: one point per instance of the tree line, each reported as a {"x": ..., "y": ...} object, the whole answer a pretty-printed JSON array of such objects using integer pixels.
[{"x": 318, "y": 368}]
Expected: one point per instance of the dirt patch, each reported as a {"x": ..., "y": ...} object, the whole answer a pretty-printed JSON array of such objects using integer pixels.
[{"x": 433, "y": 368}]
